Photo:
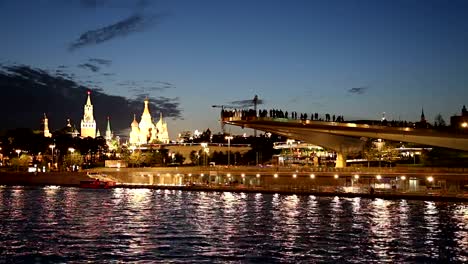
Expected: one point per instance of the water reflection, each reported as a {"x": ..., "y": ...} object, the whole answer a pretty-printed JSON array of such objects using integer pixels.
[
  {"x": 381, "y": 228},
  {"x": 139, "y": 225}
]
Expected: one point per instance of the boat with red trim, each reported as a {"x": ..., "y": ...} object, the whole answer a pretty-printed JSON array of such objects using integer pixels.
[{"x": 97, "y": 184}]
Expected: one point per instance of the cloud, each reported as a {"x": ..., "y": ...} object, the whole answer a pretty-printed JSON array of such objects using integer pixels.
[
  {"x": 37, "y": 92},
  {"x": 123, "y": 28},
  {"x": 93, "y": 3},
  {"x": 357, "y": 90},
  {"x": 89, "y": 66},
  {"x": 245, "y": 103},
  {"x": 103, "y": 62},
  {"x": 127, "y": 83},
  {"x": 146, "y": 86},
  {"x": 169, "y": 107},
  {"x": 114, "y": 4},
  {"x": 145, "y": 90}
]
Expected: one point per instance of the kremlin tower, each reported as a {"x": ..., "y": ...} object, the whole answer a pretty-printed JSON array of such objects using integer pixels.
[
  {"x": 46, "y": 127},
  {"x": 88, "y": 124},
  {"x": 109, "y": 134}
]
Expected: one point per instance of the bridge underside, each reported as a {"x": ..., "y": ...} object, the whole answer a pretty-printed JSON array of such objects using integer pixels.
[{"x": 346, "y": 137}]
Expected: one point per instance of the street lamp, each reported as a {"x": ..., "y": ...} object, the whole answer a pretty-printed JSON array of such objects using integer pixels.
[
  {"x": 52, "y": 148},
  {"x": 133, "y": 148},
  {"x": 18, "y": 151},
  {"x": 229, "y": 148},
  {"x": 290, "y": 143},
  {"x": 72, "y": 150},
  {"x": 205, "y": 150}
]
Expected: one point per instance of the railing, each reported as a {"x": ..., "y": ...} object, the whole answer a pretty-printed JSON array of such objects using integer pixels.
[{"x": 281, "y": 169}]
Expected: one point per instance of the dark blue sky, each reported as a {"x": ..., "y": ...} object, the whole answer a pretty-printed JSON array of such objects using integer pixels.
[{"x": 302, "y": 56}]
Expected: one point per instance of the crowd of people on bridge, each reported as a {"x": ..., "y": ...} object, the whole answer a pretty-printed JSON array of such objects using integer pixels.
[
  {"x": 276, "y": 113},
  {"x": 246, "y": 114}
]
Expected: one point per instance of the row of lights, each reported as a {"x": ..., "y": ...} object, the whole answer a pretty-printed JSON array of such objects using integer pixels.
[
  {"x": 379, "y": 177},
  {"x": 312, "y": 176}
]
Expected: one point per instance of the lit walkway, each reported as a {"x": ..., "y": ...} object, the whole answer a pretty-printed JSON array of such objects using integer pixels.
[{"x": 345, "y": 136}]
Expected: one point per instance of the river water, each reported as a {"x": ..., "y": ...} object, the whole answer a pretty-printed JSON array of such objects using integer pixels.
[{"x": 57, "y": 224}]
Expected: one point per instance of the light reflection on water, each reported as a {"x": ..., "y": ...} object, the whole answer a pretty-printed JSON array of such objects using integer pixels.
[{"x": 53, "y": 224}]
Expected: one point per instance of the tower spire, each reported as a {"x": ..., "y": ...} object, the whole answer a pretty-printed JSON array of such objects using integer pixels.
[
  {"x": 88, "y": 101},
  {"x": 88, "y": 124},
  {"x": 108, "y": 124},
  {"x": 146, "y": 109},
  {"x": 423, "y": 118},
  {"x": 46, "y": 127},
  {"x": 108, "y": 130}
]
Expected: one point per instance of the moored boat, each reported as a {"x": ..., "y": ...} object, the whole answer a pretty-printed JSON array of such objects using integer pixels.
[{"x": 97, "y": 184}]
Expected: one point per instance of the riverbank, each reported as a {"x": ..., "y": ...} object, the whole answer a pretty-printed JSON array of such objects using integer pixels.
[
  {"x": 382, "y": 195},
  {"x": 73, "y": 180}
]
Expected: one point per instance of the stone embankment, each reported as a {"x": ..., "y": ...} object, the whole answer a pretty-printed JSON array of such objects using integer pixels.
[
  {"x": 321, "y": 187},
  {"x": 41, "y": 179}
]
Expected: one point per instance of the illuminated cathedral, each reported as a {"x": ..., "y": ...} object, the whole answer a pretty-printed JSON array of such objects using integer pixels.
[{"x": 146, "y": 131}]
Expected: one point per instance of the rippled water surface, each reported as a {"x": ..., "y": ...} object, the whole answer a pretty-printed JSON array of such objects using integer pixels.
[{"x": 53, "y": 224}]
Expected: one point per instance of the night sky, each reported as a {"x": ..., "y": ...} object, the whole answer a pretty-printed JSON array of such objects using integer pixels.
[{"x": 351, "y": 58}]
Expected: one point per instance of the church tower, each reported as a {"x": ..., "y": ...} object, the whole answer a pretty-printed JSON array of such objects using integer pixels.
[
  {"x": 161, "y": 128},
  {"x": 46, "y": 127},
  {"x": 147, "y": 129},
  {"x": 88, "y": 124},
  {"x": 108, "y": 131},
  {"x": 423, "y": 118},
  {"x": 135, "y": 132}
]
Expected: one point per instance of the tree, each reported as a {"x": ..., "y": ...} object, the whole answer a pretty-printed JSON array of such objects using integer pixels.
[
  {"x": 439, "y": 120},
  {"x": 380, "y": 150},
  {"x": 194, "y": 157},
  {"x": 72, "y": 159},
  {"x": 134, "y": 159},
  {"x": 22, "y": 162},
  {"x": 179, "y": 158}
]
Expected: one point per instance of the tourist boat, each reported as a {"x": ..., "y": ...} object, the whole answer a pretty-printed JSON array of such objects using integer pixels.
[{"x": 97, "y": 184}]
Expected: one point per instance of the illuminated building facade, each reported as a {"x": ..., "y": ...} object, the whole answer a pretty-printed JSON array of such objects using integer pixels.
[
  {"x": 46, "y": 127},
  {"x": 88, "y": 124},
  {"x": 109, "y": 134},
  {"x": 460, "y": 122},
  {"x": 146, "y": 131}
]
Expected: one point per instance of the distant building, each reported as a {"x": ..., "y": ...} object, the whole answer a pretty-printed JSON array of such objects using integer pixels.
[
  {"x": 69, "y": 130},
  {"x": 46, "y": 127},
  {"x": 146, "y": 131},
  {"x": 185, "y": 136},
  {"x": 88, "y": 124},
  {"x": 422, "y": 122},
  {"x": 461, "y": 121},
  {"x": 111, "y": 141},
  {"x": 109, "y": 134}
]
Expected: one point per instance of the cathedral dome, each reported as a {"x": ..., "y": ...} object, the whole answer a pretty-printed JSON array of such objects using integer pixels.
[{"x": 134, "y": 123}]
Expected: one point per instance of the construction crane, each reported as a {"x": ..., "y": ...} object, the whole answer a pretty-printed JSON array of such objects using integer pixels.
[
  {"x": 222, "y": 110},
  {"x": 241, "y": 104}
]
